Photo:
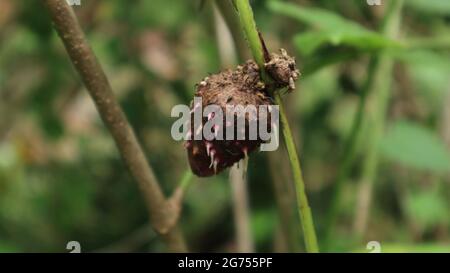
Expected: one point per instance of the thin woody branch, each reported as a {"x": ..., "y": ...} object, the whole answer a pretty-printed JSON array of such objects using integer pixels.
[{"x": 162, "y": 214}]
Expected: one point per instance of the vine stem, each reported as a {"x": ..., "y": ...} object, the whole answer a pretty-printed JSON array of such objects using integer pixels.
[
  {"x": 302, "y": 200},
  {"x": 249, "y": 26}
]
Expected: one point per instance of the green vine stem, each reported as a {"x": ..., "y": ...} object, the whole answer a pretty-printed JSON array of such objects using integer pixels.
[
  {"x": 302, "y": 200},
  {"x": 249, "y": 26}
]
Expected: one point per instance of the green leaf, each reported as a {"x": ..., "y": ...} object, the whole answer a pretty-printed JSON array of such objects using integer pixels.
[
  {"x": 427, "y": 208},
  {"x": 429, "y": 75},
  {"x": 330, "y": 29},
  {"x": 263, "y": 224},
  {"x": 308, "y": 42},
  {"x": 325, "y": 57},
  {"x": 316, "y": 17},
  {"x": 415, "y": 146}
]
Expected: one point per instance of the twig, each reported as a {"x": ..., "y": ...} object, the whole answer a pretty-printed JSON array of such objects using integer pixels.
[
  {"x": 176, "y": 199},
  {"x": 248, "y": 24},
  {"x": 163, "y": 216}
]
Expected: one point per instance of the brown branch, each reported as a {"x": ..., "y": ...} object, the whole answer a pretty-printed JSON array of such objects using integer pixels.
[{"x": 162, "y": 215}]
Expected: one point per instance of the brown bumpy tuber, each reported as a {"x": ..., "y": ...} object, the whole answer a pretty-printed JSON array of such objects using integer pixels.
[{"x": 240, "y": 87}]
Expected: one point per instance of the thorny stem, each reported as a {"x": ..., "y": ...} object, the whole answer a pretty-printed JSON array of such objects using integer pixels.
[
  {"x": 162, "y": 214},
  {"x": 248, "y": 24}
]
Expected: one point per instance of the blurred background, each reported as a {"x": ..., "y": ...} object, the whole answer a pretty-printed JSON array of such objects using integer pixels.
[{"x": 62, "y": 179}]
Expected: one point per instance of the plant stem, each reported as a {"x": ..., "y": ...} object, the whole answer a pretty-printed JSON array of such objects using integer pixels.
[
  {"x": 376, "y": 118},
  {"x": 186, "y": 180},
  {"x": 163, "y": 216},
  {"x": 285, "y": 197},
  {"x": 177, "y": 196},
  {"x": 349, "y": 153},
  {"x": 302, "y": 200},
  {"x": 248, "y": 24},
  {"x": 251, "y": 33}
]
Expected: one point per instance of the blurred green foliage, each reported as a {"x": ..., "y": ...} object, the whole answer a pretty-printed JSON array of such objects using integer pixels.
[
  {"x": 61, "y": 177},
  {"x": 414, "y": 146}
]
